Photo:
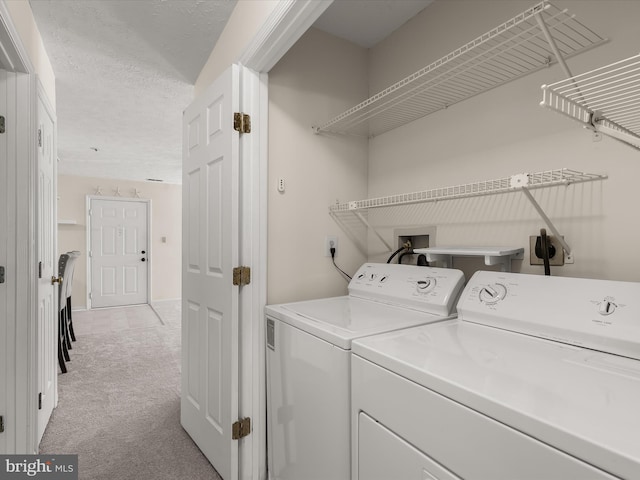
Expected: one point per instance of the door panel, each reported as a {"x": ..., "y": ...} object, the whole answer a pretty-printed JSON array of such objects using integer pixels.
[
  {"x": 6, "y": 343},
  {"x": 119, "y": 269},
  {"x": 210, "y": 301},
  {"x": 47, "y": 293}
]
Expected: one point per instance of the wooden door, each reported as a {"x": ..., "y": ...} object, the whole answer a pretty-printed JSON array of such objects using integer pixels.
[
  {"x": 119, "y": 255},
  {"x": 209, "y": 400}
]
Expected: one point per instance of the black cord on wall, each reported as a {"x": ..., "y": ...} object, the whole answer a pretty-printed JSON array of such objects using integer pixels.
[{"x": 333, "y": 259}]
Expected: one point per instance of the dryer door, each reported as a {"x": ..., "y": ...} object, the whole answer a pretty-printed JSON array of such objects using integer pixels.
[{"x": 384, "y": 455}]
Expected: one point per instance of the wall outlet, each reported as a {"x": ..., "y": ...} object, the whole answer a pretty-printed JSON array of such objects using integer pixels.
[
  {"x": 556, "y": 260},
  {"x": 330, "y": 241}
]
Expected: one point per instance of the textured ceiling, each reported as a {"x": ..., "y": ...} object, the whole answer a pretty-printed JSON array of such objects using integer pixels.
[{"x": 125, "y": 71}]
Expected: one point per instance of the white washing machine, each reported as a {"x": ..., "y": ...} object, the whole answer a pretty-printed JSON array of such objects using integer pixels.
[
  {"x": 308, "y": 361},
  {"x": 538, "y": 378}
]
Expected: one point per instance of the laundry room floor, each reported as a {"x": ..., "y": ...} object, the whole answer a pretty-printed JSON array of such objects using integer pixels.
[{"x": 119, "y": 402}]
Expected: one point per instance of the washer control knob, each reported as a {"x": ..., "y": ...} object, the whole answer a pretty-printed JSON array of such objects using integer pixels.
[
  {"x": 426, "y": 285},
  {"x": 606, "y": 307},
  {"x": 491, "y": 294}
]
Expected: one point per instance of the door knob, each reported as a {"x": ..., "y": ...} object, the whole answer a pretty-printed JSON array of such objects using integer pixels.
[
  {"x": 55, "y": 280},
  {"x": 144, "y": 259},
  {"x": 143, "y": 252}
]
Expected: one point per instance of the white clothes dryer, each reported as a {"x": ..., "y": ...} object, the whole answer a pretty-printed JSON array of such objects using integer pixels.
[
  {"x": 538, "y": 378},
  {"x": 309, "y": 368}
]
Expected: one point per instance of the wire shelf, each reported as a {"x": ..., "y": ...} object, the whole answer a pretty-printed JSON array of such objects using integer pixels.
[
  {"x": 514, "y": 49},
  {"x": 546, "y": 178},
  {"x": 606, "y": 100}
]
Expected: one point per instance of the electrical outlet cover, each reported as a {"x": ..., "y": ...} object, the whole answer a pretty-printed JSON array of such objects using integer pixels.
[{"x": 327, "y": 245}]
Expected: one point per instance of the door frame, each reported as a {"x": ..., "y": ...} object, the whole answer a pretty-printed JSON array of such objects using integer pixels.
[
  {"x": 21, "y": 420},
  {"x": 147, "y": 201},
  {"x": 289, "y": 20}
]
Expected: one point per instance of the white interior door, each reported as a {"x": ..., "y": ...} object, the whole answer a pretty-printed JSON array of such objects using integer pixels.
[
  {"x": 48, "y": 268},
  {"x": 119, "y": 254},
  {"x": 209, "y": 400},
  {"x": 6, "y": 343}
]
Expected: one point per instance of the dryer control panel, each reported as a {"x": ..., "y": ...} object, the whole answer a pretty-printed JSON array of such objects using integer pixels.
[
  {"x": 599, "y": 314},
  {"x": 428, "y": 289}
]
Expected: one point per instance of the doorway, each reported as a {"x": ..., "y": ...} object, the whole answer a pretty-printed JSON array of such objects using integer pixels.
[{"x": 119, "y": 256}]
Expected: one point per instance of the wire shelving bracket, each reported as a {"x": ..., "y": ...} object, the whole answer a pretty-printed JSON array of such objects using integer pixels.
[
  {"x": 605, "y": 100},
  {"x": 524, "y": 182},
  {"x": 535, "y": 39}
]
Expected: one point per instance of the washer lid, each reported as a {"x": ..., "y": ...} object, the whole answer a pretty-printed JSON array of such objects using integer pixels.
[
  {"x": 581, "y": 401},
  {"x": 339, "y": 320}
]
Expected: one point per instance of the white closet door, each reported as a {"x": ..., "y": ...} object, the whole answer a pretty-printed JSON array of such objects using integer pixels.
[{"x": 210, "y": 185}]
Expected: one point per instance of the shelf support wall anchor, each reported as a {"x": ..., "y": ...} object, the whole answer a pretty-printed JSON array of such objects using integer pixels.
[
  {"x": 364, "y": 221},
  {"x": 547, "y": 220}
]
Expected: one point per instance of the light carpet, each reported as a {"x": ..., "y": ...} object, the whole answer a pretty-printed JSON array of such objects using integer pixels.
[{"x": 119, "y": 402}]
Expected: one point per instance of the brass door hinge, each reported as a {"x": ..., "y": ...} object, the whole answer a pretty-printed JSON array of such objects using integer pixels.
[
  {"x": 241, "y": 428},
  {"x": 2, "y": 127},
  {"x": 1, "y": 424},
  {"x": 242, "y": 122},
  {"x": 242, "y": 276},
  {"x": 40, "y": 137}
]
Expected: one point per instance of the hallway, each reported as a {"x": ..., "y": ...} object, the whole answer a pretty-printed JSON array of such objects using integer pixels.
[{"x": 119, "y": 403}]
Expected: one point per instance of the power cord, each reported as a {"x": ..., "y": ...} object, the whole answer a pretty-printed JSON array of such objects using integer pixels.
[{"x": 332, "y": 250}]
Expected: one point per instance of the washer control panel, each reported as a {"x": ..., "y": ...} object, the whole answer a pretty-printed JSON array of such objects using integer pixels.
[
  {"x": 428, "y": 289},
  {"x": 599, "y": 314}
]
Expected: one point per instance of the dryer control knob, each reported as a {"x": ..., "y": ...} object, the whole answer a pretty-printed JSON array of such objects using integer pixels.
[
  {"x": 491, "y": 294},
  {"x": 606, "y": 307},
  {"x": 426, "y": 285}
]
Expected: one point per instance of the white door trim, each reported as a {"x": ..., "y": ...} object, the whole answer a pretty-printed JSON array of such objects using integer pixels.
[
  {"x": 88, "y": 240},
  {"x": 286, "y": 24},
  {"x": 14, "y": 52},
  {"x": 289, "y": 20},
  {"x": 22, "y": 382}
]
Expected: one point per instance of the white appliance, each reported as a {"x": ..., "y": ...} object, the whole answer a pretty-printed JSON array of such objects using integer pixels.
[
  {"x": 308, "y": 361},
  {"x": 538, "y": 378}
]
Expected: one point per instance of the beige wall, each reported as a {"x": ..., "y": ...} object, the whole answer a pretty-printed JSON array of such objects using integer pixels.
[
  {"x": 499, "y": 133},
  {"x": 319, "y": 76},
  {"x": 246, "y": 20},
  {"x": 166, "y": 214},
  {"x": 22, "y": 18},
  {"x": 504, "y": 132}
]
